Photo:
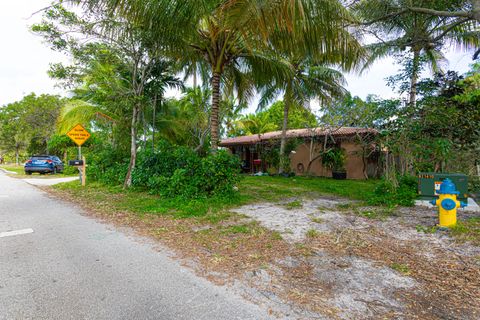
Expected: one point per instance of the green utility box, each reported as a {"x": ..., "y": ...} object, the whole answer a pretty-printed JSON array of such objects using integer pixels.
[{"x": 429, "y": 184}]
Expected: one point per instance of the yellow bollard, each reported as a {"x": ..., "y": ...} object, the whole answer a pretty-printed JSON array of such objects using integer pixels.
[{"x": 447, "y": 204}]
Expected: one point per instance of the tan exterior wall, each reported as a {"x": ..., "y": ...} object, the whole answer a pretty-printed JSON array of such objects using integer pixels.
[{"x": 353, "y": 165}]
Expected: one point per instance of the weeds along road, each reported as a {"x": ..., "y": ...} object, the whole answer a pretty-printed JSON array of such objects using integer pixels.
[{"x": 72, "y": 267}]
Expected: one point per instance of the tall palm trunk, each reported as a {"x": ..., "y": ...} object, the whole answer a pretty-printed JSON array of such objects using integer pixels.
[
  {"x": 153, "y": 121},
  {"x": 476, "y": 9},
  {"x": 414, "y": 77},
  {"x": 215, "y": 110},
  {"x": 17, "y": 154},
  {"x": 283, "y": 140},
  {"x": 133, "y": 147}
]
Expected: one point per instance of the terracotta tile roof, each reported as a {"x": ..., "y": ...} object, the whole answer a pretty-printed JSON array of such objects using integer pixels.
[{"x": 295, "y": 133}]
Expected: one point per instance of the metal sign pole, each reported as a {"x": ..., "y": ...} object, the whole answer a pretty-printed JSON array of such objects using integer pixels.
[{"x": 80, "y": 169}]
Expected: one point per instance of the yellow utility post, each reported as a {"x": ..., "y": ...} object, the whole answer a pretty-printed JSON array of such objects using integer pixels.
[
  {"x": 447, "y": 204},
  {"x": 84, "y": 171}
]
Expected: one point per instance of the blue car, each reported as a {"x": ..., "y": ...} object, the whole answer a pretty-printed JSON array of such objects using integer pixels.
[{"x": 43, "y": 164}]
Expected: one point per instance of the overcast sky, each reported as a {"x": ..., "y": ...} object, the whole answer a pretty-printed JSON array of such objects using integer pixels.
[{"x": 24, "y": 59}]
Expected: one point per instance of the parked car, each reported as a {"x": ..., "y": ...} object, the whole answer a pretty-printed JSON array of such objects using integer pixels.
[{"x": 43, "y": 164}]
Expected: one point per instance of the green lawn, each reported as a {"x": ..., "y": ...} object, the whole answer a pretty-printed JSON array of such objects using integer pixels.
[
  {"x": 13, "y": 168},
  {"x": 277, "y": 188},
  {"x": 21, "y": 172},
  {"x": 251, "y": 189}
]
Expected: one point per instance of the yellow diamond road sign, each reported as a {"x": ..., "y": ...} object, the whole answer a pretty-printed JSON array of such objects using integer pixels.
[{"x": 78, "y": 134}]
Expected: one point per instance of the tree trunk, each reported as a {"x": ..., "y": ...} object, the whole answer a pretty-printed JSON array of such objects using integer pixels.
[
  {"x": 476, "y": 9},
  {"x": 414, "y": 77},
  {"x": 133, "y": 147},
  {"x": 215, "y": 110},
  {"x": 283, "y": 140},
  {"x": 17, "y": 154},
  {"x": 153, "y": 122}
]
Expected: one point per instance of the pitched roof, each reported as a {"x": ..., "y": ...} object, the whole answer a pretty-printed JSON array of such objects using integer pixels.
[{"x": 295, "y": 133}]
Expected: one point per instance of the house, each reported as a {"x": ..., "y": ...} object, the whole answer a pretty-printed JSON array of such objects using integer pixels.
[{"x": 306, "y": 148}]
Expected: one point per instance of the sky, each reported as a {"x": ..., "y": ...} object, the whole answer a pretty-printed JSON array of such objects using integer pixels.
[{"x": 25, "y": 59}]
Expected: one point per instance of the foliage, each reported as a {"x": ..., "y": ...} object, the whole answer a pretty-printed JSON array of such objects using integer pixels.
[
  {"x": 441, "y": 130},
  {"x": 26, "y": 125},
  {"x": 373, "y": 112},
  {"x": 237, "y": 44},
  {"x": 387, "y": 194},
  {"x": 117, "y": 71},
  {"x": 271, "y": 119},
  {"x": 107, "y": 164},
  {"x": 270, "y": 153},
  {"x": 423, "y": 35},
  {"x": 467, "y": 230},
  {"x": 334, "y": 159},
  {"x": 179, "y": 171}
]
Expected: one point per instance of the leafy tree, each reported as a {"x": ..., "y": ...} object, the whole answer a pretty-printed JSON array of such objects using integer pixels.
[
  {"x": 235, "y": 38},
  {"x": 26, "y": 125},
  {"x": 373, "y": 112},
  {"x": 271, "y": 119},
  {"x": 399, "y": 29},
  {"x": 13, "y": 130},
  {"x": 459, "y": 13},
  {"x": 306, "y": 82},
  {"x": 117, "y": 64},
  {"x": 443, "y": 125}
]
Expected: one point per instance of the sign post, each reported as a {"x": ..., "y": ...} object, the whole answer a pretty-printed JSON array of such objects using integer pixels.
[{"x": 80, "y": 135}]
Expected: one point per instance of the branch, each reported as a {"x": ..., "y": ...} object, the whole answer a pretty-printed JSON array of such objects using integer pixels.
[
  {"x": 433, "y": 12},
  {"x": 450, "y": 28},
  {"x": 385, "y": 17},
  {"x": 476, "y": 54},
  {"x": 40, "y": 10}
]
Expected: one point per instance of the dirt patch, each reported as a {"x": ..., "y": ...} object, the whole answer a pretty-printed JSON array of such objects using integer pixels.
[
  {"x": 294, "y": 223},
  {"x": 395, "y": 265},
  {"x": 348, "y": 267}
]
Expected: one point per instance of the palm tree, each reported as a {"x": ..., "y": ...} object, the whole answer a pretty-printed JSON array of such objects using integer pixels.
[
  {"x": 253, "y": 124},
  {"x": 307, "y": 82},
  {"x": 225, "y": 34},
  {"x": 422, "y": 34},
  {"x": 162, "y": 78}
]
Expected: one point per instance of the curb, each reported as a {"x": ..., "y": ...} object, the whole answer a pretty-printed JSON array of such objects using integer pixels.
[{"x": 7, "y": 171}]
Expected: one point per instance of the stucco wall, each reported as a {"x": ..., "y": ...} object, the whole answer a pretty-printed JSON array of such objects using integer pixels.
[{"x": 353, "y": 165}]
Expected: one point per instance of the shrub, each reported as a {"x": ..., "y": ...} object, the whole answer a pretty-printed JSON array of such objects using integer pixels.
[
  {"x": 107, "y": 165},
  {"x": 334, "y": 159},
  {"x": 404, "y": 195},
  {"x": 179, "y": 172}
]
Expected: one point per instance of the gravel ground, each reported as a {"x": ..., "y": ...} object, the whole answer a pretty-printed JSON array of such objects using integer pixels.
[{"x": 356, "y": 266}]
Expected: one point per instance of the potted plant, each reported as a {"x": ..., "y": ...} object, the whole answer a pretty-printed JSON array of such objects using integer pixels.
[{"x": 334, "y": 159}]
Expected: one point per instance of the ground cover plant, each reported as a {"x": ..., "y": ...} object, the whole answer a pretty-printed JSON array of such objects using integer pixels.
[
  {"x": 228, "y": 246},
  {"x": 20, "y": 172}
]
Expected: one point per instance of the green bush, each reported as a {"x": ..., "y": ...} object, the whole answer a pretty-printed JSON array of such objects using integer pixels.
[
  {"x": 180, "y": 172},
  {"x": 107, "y": 165},
  {"x": 404, "y": 195}
]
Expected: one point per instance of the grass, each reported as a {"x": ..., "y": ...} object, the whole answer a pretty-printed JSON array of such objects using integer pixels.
[
  {"x": 216, "y": 209},
  {"x": 13, "y": 168},
  {"x": 427, "y": 230},
  {"x": 312, "y": 233},
  {"x": 296, "y": 204},
  {"x": 317, "y": 220},
  {"x": 20, "y": 172},
  {"x": 268, "y": 188},
  {"x": 467, "y": 230},
  {"x": 402, "y": 268}
]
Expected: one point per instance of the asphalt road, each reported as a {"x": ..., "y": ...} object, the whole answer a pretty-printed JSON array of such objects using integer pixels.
[{"x": 73, "y": 267}]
